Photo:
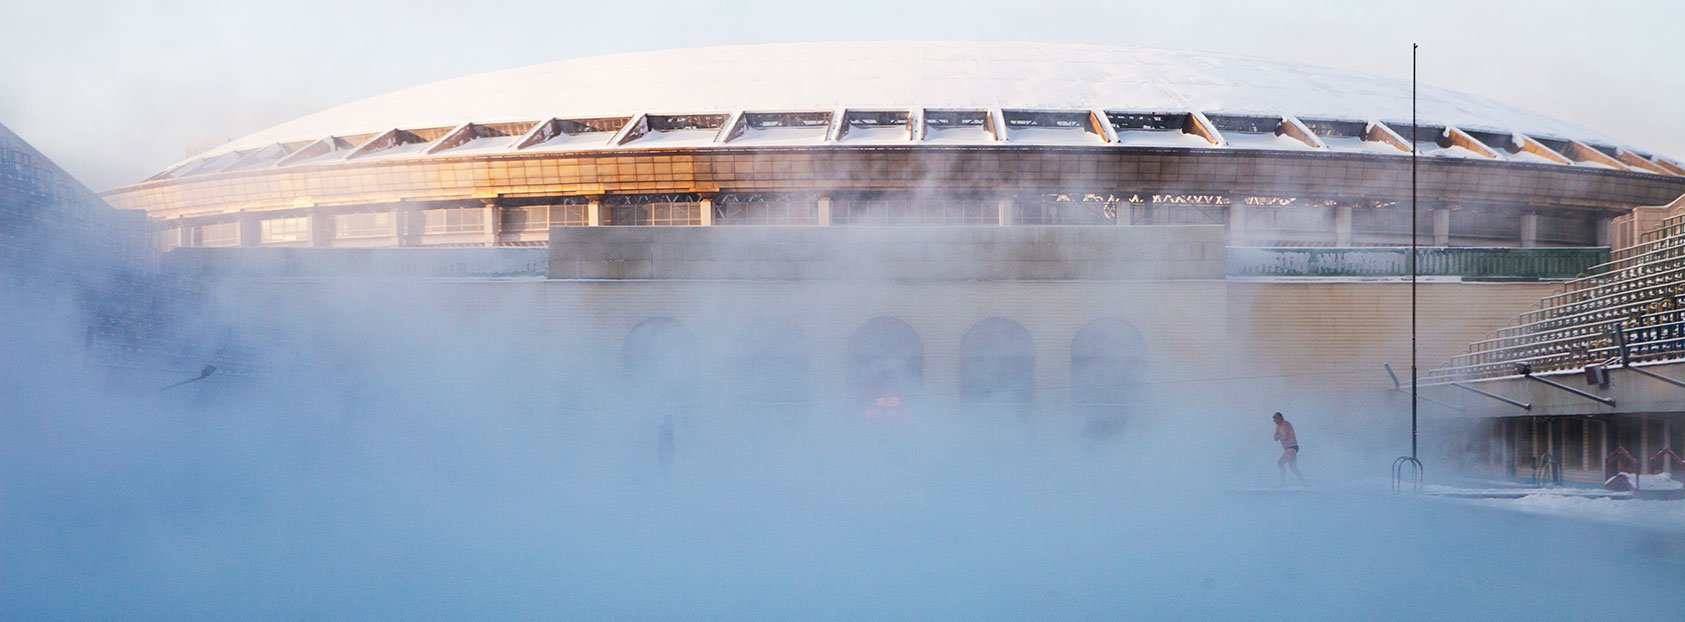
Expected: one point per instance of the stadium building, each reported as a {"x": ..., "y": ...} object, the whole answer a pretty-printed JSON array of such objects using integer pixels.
[
  {"x": 909, "y": 134},
  {"x": 1049, "y": 229}
]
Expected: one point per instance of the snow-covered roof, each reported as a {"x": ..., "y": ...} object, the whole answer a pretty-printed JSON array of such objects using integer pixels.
[{"x": 910, "y": 76}]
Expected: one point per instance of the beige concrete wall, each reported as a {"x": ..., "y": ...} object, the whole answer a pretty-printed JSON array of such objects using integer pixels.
[
  {"x": 1310, "y": 327},
  {"x": 1205, "y": 339}
]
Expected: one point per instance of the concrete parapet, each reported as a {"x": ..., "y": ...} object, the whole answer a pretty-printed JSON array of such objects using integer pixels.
[{"x": 895, "y": 253}]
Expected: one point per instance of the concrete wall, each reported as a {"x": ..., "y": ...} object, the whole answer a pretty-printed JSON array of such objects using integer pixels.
[
  {"x": 1311, "y": 326},
  {"x": 1632, "y": 392},
  {"x": 1224, "y": 344},
  {"x": 343, "y": 263},
  {"x": 893, "y": 253}
]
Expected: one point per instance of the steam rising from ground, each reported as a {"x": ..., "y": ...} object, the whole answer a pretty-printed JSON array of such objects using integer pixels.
[{"x": 418, "y": 466}]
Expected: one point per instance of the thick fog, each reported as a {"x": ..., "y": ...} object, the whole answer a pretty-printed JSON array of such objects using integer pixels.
[{"x": 387, "y": 451}]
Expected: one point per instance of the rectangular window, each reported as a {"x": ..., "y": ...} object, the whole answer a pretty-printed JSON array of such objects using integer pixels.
[
  {"x": 1568, "y": 229},
  {"x": 215, "y": 234},
  {"x": 767, "y": 210},
  {"x": 1065, "y": 210},
  {"x": 283, "y": 230},
  {"x": 542, "y": 217},
  {"x": 169, "y": 238},
  {"x": 907, "y": 210},
  {"x": 662, "y": 213},
  {"x": 454, "y": 220},
  {"x": 363, "y": 225},
  {"x": 1488, "y": 223}
]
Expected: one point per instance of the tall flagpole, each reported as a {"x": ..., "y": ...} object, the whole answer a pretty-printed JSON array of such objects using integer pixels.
[{"x": 1414, "y": 224}]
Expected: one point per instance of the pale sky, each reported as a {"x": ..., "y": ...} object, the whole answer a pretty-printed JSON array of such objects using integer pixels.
[{"x": 115, "y": 91}]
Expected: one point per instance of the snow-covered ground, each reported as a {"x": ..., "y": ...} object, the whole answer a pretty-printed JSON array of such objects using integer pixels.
[
  {"x": 1574, "y": 503},
  {"x": 1643, "y": 513}
]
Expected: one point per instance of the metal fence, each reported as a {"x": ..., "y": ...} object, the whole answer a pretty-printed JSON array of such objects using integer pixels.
[{"x": 1469, "y": 263}]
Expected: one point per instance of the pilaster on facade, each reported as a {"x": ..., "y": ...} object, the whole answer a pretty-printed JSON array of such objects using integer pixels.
[
  {"x": 824, "y": 209},
  {"x": 1441, "y": 226},
  {"x": 1007, "y": 212},
  {"x": 594, "y": 212},
  {"x": 706, "y": 207},
  {"x": 406, "y": 225},
  {"x": 321, "y": 227},
  {"x": 1237, "y": 221},
  {"x": 493, "y": 221},
  {"x": 1530, "y": 230},
  {"x": 251, "y": 229},
  {"x": 1343, "y": 224}
]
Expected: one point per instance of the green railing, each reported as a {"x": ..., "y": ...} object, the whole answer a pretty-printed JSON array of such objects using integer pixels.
[{"x": 1469, "y": 263}]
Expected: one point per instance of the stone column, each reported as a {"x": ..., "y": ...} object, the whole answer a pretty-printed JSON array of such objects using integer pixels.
[
  {"x": 1529, "y": 230},
  {"x": 1237, "y": 221},
  {"x": 1343, "y": 225},
  {"x": 321, "y": 228},
  {"x": 1006, "y": 212},
  {"x": 406, "y": 221},
  {"x": 1441, "y": 226},
  {"x": 251, "y": 229},
  {"x": 824, "y": 211},
  {"x": 493, "y": 221},
  {"x": 707, "y": 208},
  {"x": 1603, "y": 232},
  {"x": 594, "y": 212}
]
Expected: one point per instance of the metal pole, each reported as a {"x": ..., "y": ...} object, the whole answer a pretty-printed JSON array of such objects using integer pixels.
[{"x": 1414, "y": 224}]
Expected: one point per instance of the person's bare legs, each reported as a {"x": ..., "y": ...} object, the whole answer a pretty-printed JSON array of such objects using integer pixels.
[
  {"x": 1281, "y": 466},
  {"x": 1291, "y": 457}
]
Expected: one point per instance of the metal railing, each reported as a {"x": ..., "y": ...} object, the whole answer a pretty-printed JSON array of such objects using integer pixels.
[
  {"x": 1469, "y": 263},
  {"x": 1547, "y": 469},
  {"x": 1631, "y": 308}
]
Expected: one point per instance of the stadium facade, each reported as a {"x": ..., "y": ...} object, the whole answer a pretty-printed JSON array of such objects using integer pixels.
[
  {"x": 909, "y": 134},
  {"x": 1044, "y": 228}
]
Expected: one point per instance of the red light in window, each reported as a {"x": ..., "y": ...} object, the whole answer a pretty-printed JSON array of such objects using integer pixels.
[{"x": 886, "y": 405}]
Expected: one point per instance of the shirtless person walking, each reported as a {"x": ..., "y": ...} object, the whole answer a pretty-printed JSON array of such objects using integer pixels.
[{"x": 1289, "y": 450}]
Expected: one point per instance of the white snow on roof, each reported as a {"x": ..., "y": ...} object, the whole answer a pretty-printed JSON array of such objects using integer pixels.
[
  {"x": 877, "y": 135},
  {"x": 807, "y": 135},
  {"x": 483, "y": 144},
  {"x": 1248, "y": 140},
  {"x": 908, "y": 75},
  {"x": 1357, "y": 144},
  {"x": 675, "y": 138},
  {"x": 1053, "y": 136},
  {"x": 565, "y": 141},
  {"x": 1162, "y": 138}
]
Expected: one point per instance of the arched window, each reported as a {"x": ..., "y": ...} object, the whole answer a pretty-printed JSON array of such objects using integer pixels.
[
  {"x": 660, "y": 358},
  {"x": 885, "y": 359},
  {"x": 1106, "y": 357},
  {"x": 772, "y": 361},
  {"x": 998, "y": 364}
]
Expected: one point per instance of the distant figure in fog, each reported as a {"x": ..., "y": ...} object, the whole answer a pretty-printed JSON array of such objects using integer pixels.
[
  {"x": 1289, "y": 449},
  {"x": 664, "y": 447}
]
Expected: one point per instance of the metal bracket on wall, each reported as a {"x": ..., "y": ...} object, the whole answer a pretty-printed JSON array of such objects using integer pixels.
[
  {"x": 1513, "y": 402},
  {"x": 1645, "y": 372},
  {"x": 1399, "y": 387},
  {"x": 1528, "y": 374},
  {"x": 1625, "y": 354}
]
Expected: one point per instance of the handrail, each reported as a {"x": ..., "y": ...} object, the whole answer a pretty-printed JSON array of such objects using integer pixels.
[
  {"x": 1621, "y": 455},
  {"x": 1550, "y": 467},
  {"x": 1637, "y": 298},
  {"x": 1406, "y": 467},
  {"x": 1612, "y": 276},
  {"x": 1666, "y": 452}
]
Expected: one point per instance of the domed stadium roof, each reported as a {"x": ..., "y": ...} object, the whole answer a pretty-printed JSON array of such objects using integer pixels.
[{"x": 923, "y": 76}]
